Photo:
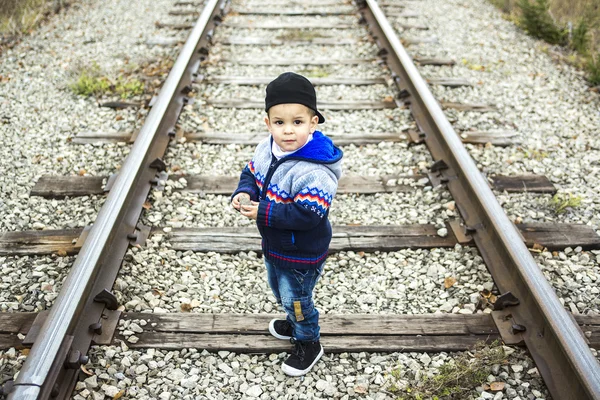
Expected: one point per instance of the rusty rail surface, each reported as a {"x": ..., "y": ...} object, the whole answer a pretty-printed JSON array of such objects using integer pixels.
[
  {"x": 81, "y": 307},
  {"x": 555, "y": 342}
]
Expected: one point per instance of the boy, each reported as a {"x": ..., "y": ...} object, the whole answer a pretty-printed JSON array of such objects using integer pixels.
[{"x": 287, "y": 188}]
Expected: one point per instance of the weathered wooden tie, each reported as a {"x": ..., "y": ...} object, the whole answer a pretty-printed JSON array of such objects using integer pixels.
[
  {"x": 326, "y": 105},
  {"x": 340, "y": 139},
  {"x": 264, "y": 80},
  {"x": 300, "y": 61},
  {"x": 41, "y": 242},
  {"x": 434, "y": 61},
  {"x": 468, "y": 107},
  {"x": 305, "y": 12},
  {"x": 61, "y": 186},
  {"x": 449, "y": 81},
  {"x": 75, "y": 185},
  {"x": 497, "y": 138},
  {"x": 261, "y": 41},
  {"x": 364, "y": 238},
  {"x": 278, "y": 25},
  {"x": 340, "y": 333}
]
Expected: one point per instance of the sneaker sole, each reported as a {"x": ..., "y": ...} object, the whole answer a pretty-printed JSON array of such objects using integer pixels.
[
  {"x": 299, "y": 372},
  {"x": 274, "y": 333}
]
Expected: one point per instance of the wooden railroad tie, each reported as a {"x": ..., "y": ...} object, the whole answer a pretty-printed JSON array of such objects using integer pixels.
[
  {"x": 329, "y": 81},
  {"x": 369, "y": 238},
  {"x": 248, "y": 333},
  {"x": 62, "y": 186},
  {"x": 496, "y": 138}
]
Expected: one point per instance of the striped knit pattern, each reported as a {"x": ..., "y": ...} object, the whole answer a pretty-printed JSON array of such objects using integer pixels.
[{"x": 293, "y": 208}]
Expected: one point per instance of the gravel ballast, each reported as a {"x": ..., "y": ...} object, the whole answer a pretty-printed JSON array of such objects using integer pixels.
[{"x": 548, "y": 104}]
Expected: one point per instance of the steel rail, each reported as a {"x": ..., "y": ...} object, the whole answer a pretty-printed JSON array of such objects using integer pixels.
[
  {"x": 563, "y": 358},
  {"x": 48, "y": 351}
]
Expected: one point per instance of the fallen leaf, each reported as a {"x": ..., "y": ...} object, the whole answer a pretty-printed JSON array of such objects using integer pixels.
[
  {"x": 25, "y": 352},
  {"x": 62, "y": 253},
  {"x": 147, "y": 205},
  {"x": 537, "y": 246},
  {"x": 85, "y": 371},
  {"x": 388, "y": 98},
  {"x": 449, "y": 282},
  {"x": 175, "y": 168},
  {"x": 497, "y": 386},
  {"x": 157, "y": 292},
  {"x": 360, "y": 389},
  {"x": 119, "y": 395},
  {"x": 82, "y": 172},
  {"x": 185, "y": 307},
  {"x": 119, "y": 117}
]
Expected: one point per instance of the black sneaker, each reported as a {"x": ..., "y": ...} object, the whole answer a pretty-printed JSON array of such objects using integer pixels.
[
  {"x": 304, "y": 356},
  {"x": 281, "y": 329}
]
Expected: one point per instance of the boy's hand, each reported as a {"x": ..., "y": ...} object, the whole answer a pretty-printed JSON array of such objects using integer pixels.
[
  {"x": 237, "y": 200},
  {"x": 249, "y": 209}
]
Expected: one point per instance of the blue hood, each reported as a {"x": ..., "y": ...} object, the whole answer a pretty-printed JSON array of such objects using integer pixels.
[{"x": 321, "y": 150}]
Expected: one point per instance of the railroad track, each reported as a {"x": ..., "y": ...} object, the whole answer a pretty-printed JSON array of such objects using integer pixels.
[{"x": 525, "y": 311}]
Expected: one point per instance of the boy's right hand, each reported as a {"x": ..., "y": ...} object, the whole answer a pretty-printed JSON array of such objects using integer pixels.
[{"x": 236, "y": 201}]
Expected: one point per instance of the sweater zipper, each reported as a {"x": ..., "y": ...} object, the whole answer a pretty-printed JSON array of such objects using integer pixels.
[{"x": 274, "y": 164}]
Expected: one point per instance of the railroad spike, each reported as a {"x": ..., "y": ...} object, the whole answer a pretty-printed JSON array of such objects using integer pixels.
[
  {"x": 158, "y": 164},
  {"x": 203, "y": 51},
  {"x": 108, "y": 298},
  {"x": 505, "y": 300},
  {"x": 75, "y": 359},
  {"x": 96, "y": 328},
  {"x": 517, "y": 328},
  {"x": 403, "y": 93},
  {"x": 186, "y": 89},
  {"x": 439, "y": 165},
  {"x": 132, "y": 236}
]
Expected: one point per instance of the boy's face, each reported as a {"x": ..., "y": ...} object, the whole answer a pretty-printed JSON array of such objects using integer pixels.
[{"x": 290, "y": 125}]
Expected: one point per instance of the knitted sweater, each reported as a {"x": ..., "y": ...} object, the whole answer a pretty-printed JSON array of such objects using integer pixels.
[{"x": 294, "y": 195}]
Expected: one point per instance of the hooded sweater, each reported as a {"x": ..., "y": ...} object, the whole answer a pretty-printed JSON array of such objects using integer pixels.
[{"x": 294, "y": 195}]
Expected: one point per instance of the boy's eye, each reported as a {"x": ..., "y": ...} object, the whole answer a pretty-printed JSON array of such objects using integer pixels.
[
  {"x": 297, "y": 122},
  {"x": 278, "y": 122}
]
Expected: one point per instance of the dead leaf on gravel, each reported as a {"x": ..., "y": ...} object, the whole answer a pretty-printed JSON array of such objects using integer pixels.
[
  {"x": 85, "y": 370},
  {"x": 119, "y": 395},
  {"x": 497, "y": 386},
  {"x": 449, "y": 282}
]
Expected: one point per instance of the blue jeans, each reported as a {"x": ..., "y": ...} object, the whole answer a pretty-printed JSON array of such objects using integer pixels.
[{"x": 293, "y": 289}]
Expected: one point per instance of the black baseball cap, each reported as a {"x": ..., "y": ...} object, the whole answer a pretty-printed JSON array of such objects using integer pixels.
[{"x": 292, "y": 88}]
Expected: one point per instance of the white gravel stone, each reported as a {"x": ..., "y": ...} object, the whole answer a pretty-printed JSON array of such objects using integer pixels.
[{"x": 336, "y": 375}]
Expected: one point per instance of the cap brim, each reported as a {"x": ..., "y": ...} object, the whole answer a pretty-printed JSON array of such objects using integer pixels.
[{"x": 321, "y": 118}]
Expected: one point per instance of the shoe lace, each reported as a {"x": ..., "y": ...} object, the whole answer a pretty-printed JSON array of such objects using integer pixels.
[{"x": 298, "y": 349}]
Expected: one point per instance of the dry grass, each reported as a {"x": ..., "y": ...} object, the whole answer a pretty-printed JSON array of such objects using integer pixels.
[
  {"x": 569, "y": 15},
  {"x": 21, "y": 16}
]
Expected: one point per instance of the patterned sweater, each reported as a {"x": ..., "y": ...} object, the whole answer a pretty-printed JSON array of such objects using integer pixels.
[{"x": 295, "y": 193}]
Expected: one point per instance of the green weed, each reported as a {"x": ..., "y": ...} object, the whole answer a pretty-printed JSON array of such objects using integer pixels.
[
  {"x": 537, "y": 155},
  {"x": 538, "y": 22},
  {"x": 91, "y": 82},
  {"x": 456, "y": 380},
  {"x": 579, "y": 37},
  {"x": 593, "y": 67},
  {"x": 315, "y": 72},
  {"x": 562, "y": 201}
]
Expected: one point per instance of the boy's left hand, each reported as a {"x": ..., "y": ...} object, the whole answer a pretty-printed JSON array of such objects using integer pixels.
[{"x": 249, "y": 210}]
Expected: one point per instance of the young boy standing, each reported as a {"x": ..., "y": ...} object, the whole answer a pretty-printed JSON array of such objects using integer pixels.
[{"x": 287, "y": 188}]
